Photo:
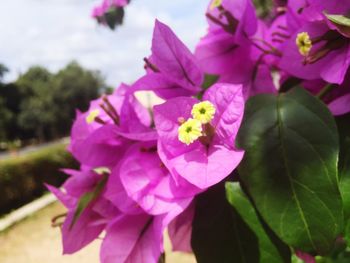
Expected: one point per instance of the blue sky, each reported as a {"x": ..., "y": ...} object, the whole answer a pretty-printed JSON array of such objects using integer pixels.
[{"x": 53, "y": 32}]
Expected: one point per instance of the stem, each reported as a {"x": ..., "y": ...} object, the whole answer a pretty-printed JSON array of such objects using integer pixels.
[{"x": 328, "y": 88}]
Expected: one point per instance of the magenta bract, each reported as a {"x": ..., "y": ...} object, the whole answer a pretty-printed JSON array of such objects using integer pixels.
[
  {"x": 172, "y": 69},
  {"x": 202, "y": 165}
]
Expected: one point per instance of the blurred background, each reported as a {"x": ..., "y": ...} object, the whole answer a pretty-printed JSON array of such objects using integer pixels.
[{"x": 54, "y": 59}]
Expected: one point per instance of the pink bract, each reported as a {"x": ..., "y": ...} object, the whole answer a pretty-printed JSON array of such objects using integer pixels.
[{"x": 201, "y": 165}]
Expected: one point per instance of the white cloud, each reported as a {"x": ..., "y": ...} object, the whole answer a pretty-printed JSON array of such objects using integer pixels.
[{"x": 53, "y": 32}]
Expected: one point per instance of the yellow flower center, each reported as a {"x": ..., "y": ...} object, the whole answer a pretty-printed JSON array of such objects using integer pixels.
[
  {"x": 203, "y": 111},
  {"x": 214, "y": 4},
  {"x": 189, "y": 131},
  {"x": 92, "y": 115},
  {"x": 304, "y": 43}
]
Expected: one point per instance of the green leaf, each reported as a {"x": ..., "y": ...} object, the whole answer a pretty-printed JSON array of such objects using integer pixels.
[
  {"x": 209, "y": 80},
  {"x": 347, "y": 233},
  {"x": 290, "y": 168},
  {"x": 341, "y": 22},
  {"x": 218, "y": 232},
  {"x": 86, "y": 199},
  {"x": 343, "y": 123},
  {"x": 345, "y": 191},
  {"x": 343, "y": 257},
  {"x": 295, "y": 259},
  {"x": 271, "y": 249}
]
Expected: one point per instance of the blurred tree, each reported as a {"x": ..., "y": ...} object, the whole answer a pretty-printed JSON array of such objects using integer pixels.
[
  {"x": 35, "y": 116},
  {"x": 46, "y": 102},
  {"x": 3, "y": 70},
  {"x": 73, "y": 88},
  {"x": 8, "y": 104},
  {"x": 9, "y": 108},
  {"x": 5, "y": 120}
]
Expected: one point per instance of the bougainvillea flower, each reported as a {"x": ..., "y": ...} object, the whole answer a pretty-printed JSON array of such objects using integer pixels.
[
  {"x": 141, "y": 183},
  {"x": 327, "y": 58},
  {"x": 340, "y": 105},
  {"x": 77, "y": 232},
  {"x": 148, "y": 182},
  {"x": 139, "y": 238},
  {"x": 101, "y": 135},
  {"x": 95, "y": 130},
  {"x": 211, "y": 157},
  {"x": 235, "y": 17},
  {"x": 220, "y": 55},
  {"x": 116, "y": 193},
  {"x": 139, "y": 235},
  {"x": 300, "y": 11},
  {"x": 337, "y": 97},
  {"x": 102, "y": 147},
  {"x": 172, "y": 68},
  {"x": 135, "y": 120},
  {"x": 234, "y": 47},
  {"x": 180, "y": 230},
  {"x": 316, "y": 47},
  {"x": 225, "y": 46},
  {"x": 131, "y": 238}
]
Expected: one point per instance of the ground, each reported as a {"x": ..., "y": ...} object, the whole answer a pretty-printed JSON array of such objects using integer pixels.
[{"x": 34, "y": 241}]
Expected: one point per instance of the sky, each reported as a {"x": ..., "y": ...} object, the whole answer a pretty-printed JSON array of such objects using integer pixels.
[{"x": 52, "y": 33}]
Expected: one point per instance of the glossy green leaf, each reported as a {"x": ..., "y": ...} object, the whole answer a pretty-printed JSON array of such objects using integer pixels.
[
  {"x": 345, "y": 191},
  {"x": 347, "y": 233},
  {"x": 271, "y": 249},
  {"x": 341, "y": 22},
  {"x": 219, "y": 234},
  {"x": 343, "y": 123},
  {"x": 86, "y": 199},
  {"x": 290, "y": 168}
]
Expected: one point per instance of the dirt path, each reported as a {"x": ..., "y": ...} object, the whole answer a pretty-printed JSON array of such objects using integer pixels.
[{"x": 34, "y": 241}]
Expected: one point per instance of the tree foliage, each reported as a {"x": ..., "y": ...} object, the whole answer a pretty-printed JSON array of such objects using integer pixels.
[{"x": 40, "y": 104}]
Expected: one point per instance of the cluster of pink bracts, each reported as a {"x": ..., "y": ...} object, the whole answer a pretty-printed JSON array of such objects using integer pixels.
[{"x": 141, "y": 170}]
